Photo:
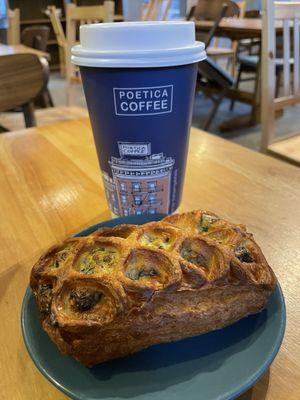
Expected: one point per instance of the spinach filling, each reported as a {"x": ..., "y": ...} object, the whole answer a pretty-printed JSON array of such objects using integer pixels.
[
  {"x": 83, "y": 299},
  {"x": 243, "y": 254},
  {"x": 99, "y": 257},
  {"x": 135, "y": 274},
  {"x": 193, "y": 257},
  {"x": 206, "y": 221}
]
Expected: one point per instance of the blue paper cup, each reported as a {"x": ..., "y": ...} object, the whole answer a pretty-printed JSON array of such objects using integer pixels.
[{"x": 139, "y": 83}]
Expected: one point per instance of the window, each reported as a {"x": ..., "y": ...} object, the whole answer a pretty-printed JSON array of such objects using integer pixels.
[
  {"x": 123, "y": 186},
  {"x": 152, "y": 210},
  {"x": 136, "y": 186},
  {"x": 124, "y": 199},
  {"x": 152, "y": 199},
  {"x": 138, "y": 211},
  {"x": 152, "y": 185},
  {"x": 177, "y": 9},
  {"x": 137, "y": 200},
  {"x": 125, "y": 212}
]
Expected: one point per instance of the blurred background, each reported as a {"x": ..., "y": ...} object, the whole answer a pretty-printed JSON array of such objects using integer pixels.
[{"x": 52, "y": 28}]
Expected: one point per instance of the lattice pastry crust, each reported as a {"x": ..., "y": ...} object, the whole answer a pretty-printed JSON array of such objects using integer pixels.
[{"x": 123, "y": 289}]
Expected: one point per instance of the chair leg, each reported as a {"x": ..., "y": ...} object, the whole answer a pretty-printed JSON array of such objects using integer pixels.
[
  {"x": 71, "y": 97},
  {"x": 236, "y": 86},
  {"x": 62, "y": 61},
  {"x": 233, "y": 65},
  {"x": 213, "y": 111},
  {"x": 256, "y": 96},
  {"x": 47, "y": 98},
  {"x": 29, "y": 117},
  {"x": 228, "y": 63}
]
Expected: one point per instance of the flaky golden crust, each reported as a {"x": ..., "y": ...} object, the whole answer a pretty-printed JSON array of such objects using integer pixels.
[{"x": 123, "y": 289}]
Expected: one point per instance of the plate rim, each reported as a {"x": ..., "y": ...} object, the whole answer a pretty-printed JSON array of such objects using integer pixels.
[{"x": 227, "y": 396}]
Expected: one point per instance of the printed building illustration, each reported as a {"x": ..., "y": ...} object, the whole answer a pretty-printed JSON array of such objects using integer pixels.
[
  {"x": 140, "y": 181},
  {"x": 110, "y": 191}
]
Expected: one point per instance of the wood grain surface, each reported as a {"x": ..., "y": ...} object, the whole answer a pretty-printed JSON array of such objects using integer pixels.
[
  {"x": 51, "y": 188},
  {"x": 288, "y": 148},
  {"x": 23, "y": 78},
  {"x": 235, "y": 28},
  {"x": 14, "y": 121}
]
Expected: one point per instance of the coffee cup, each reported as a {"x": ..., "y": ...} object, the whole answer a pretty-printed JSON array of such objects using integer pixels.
[{"x": 139, "y": 82}]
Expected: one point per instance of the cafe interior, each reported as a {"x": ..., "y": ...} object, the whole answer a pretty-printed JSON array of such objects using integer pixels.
[{"x": 227, "y": 141}]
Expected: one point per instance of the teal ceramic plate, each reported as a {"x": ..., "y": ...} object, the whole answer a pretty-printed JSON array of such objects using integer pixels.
[{"x": 215, "y": 366}]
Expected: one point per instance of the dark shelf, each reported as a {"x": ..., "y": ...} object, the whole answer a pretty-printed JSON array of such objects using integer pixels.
[
  {"x": 38, "y": 21},
  {"x": 35, "y": 21}
]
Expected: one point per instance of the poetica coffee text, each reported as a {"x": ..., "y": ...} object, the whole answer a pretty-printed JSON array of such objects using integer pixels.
[{"x": 143, "y": 100}]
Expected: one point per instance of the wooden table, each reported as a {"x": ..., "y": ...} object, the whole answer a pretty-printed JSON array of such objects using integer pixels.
[
  {"x": 51, "y": 188},
  {"x": 236, "y": 28},
  {"x": 6, "y": 50},
  {"x": 233, "y": 28}
]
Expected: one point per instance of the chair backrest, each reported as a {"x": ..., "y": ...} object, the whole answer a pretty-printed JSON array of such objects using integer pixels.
[
  {"x": 210, "y": 9},
  {"x": 53, "y": 14},
  {"x": 214, "y": 74},
  {"x": 157, "y": 10},
  {"x": 212, "y": 32},
  {"x": 234, "y": 45},
  {"x": 23, "y": 78},
  {"x": 90, "y": 14},
  {"x": 36, "y": 37},
  {"x": 13, "y": 31},
  {"x": 289, "y": 15},
  {"x": 86, "y": 15},
  {"x": 242, "y": 8},
  {"x": 78, "y": 15}
]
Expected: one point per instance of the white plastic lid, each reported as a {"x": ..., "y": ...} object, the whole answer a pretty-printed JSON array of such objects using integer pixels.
[{"x": 138, "y": 45}]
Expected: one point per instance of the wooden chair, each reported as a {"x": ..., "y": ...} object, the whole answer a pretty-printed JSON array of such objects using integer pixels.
[
  {"x": 210, "y": 37},
  {"x": 248, "y": 58},
  {"x": 13, "y": 31},
  {"x": 23, "y": 79},
  {"x": 157, "y": 10},
  {"x": 215, "y": 51},
  {"x": 250, "y": 45},
  {"x": 54, "y": 15},
  {"x": 212, "y": 80},
  {"x": 37, "y": 37},
  {"x": 287, "y": 148},
  {"x": 77, "y": 16},
  {"x": 210, "y": 10}
]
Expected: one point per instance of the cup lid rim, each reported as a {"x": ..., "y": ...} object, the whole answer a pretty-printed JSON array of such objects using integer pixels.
[{"x": 133, "y": 44}]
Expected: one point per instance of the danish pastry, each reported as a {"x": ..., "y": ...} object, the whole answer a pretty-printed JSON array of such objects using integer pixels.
[{"x": 123, "y": 289}]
